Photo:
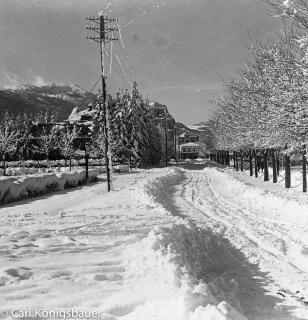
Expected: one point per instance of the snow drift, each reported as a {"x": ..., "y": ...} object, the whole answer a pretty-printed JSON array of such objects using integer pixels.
[
  {"x": 22, "y": 187},
  {"x": 170, "y": 272}
]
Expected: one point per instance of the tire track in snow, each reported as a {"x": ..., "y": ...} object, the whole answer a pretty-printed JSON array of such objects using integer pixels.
[
  {"x": 282, "y": 235},
  {"x": 240, "y": 227}
]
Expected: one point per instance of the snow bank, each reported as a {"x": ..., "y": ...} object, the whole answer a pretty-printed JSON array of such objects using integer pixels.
[
  {"x": 121, "y": 168},
  {"x": 22, "y": 187},
  {"x": 229, "y": 187},
  {"x": 167, "y": 273},
  {"x": 171, "y": 273}
]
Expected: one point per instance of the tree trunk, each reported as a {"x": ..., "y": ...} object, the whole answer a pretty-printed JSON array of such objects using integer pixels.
[
  {"x": 242, "y": 163},
  {"x": 70, "y": 164},
  {"x": 287, "y": 171},
  {"x": 266, "y": 175},
  {"x": 250, "y": 164},
  {"x": 256, "y": 164},
  {"x": 228, "y": 158},
  {"x": 274, "y": 165},
  {"x": 4, "y": 171},
  {"x": 304, "y": 164},
  {"x": 278, "y": 165},
  {"x": 236, "y": 161}
]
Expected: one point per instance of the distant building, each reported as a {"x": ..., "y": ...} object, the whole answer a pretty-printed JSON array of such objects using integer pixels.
[
  {"x": 83, "y": 120},
  {"x": 187, "y": 137},
  {"x": 189, "y": 145},
  {"x": 189, "y": 150},
  {"x": 166, "y": 126}
]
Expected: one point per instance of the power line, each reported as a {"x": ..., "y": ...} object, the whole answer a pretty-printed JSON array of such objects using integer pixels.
[{"x": 121, "y": 66}]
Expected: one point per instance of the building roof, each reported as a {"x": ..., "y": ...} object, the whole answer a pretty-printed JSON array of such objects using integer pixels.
[
  {"x": 157, "y": 105},
  {"x": 188, "y": 134},
  {"x": 77, "y": 115},
  {"x": 190, "y": 144}
]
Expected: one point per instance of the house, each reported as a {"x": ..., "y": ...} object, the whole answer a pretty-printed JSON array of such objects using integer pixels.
[
  {"x": 187, "y": 137},
  {"x": 189, "y": 150},
  {"x": 83, "y": 120},
  {"x": 189, "y": 145}
]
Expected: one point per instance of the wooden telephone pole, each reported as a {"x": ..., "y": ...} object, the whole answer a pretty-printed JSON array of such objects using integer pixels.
[{"x": 102, "y": 37}]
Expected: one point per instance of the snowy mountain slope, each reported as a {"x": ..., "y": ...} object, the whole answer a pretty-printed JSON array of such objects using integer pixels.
[
  {"x": 202, "y": 126},
  {"x": 31, "y": 99}
]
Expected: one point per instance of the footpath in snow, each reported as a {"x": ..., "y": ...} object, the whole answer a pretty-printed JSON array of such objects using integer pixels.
[{"x": 179, "y": 243}]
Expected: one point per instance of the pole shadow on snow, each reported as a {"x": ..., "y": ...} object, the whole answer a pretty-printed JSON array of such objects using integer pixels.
[{"x": 229, "y": 275}]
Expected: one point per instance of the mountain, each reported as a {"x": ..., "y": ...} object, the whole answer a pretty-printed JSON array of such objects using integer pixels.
[
  {"x": 198, "y": 128},
  {"x": 201, "y": 126},
  {"x": 32, "y": 99}
]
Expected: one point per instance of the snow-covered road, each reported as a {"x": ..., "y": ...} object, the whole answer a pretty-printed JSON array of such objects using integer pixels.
[
  {"x": 268, "y": 230},
  {"x": 197, "y": 242}
]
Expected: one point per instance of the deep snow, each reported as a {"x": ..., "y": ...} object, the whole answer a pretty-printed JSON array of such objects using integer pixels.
[{"x": 197, "y": 242}]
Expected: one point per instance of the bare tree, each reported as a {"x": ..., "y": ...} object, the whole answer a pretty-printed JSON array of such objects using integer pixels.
[
  {"x": 66, "y": 140},
  {"x": 8, "y": 137},
  {"x": 45, "y": 141}
]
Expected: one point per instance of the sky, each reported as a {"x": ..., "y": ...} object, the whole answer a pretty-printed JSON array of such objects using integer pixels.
[{"x": 177, "y": 50}]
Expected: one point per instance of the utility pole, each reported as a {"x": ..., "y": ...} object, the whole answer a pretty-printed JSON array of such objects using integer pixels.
[
  {"x": 166, "y": 141},
  {"x": 175, "y": 149},
  {"x": 102, "y": 38}
]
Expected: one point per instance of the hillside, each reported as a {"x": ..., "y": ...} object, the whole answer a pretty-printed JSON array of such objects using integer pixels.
[{"x": 31, "y": 99}]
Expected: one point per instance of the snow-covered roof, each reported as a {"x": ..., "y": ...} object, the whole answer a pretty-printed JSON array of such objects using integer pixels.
[
  {"x": 157, "y": 105},
  {"x": 190, "y": 144},
  {"x": 74, "y": 114},
  {"x": 77, "y": 115},
  {"x": 190, "y": 134}
]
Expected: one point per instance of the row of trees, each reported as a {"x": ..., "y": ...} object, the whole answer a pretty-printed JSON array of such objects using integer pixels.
[
  {"x": 35, "y": 136},
  {"x": 133, "y": 130},
  {"x": 134, "y": 136},
  {"x": 264, "y": 110}
]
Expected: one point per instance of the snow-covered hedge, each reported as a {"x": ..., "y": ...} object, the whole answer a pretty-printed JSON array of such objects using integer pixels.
[
  {"x": 22, "y": 187},
  {"x": 20, "y": 171}
]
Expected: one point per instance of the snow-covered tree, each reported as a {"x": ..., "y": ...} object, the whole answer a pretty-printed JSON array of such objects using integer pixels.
[
  {"x": 45, "y": 140},
  {"x": 8, "y": 136},
  {"x": 24, "y": 124},
  {"x": 133, "y": 131},
  {"x": 66, "y": 138}
]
